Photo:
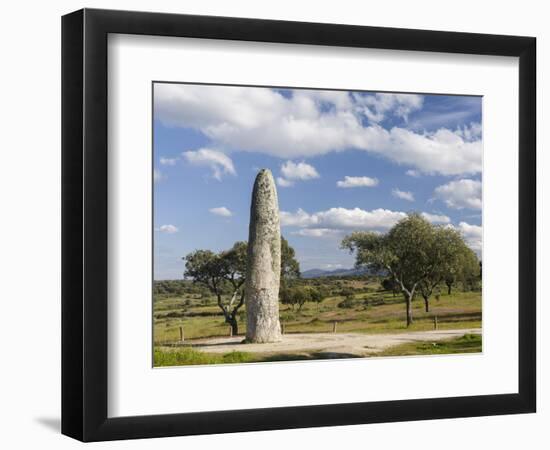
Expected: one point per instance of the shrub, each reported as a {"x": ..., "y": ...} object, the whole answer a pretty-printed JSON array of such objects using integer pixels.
[
  {"x": 347, "y": 303},
  {"x": 378, "y": 301}
]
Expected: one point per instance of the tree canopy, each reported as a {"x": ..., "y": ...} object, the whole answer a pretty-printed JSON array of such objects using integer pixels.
[
  {"x": 227, "y": 270},
  {"x": 414, "y": 253}
]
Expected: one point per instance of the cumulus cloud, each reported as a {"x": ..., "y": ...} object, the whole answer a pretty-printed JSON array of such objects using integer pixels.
[
  {"x": 292, "y": 172},
  {"x": 298, "y": 219},
  {"x": 412, "y": 173},
  {"x": 169, "y": 229},
  {"x": 319, "y": 232},
  {"x": 310, "y": 123},
  {"x": 441, "y": 152},
  {"x": 168, "y": 161},
  {"x": 472, "y": 235},
  {"x": 218, "y": 162},
  {"x": 470, "y": 132},
  {"x": 460, "y": 194},
  {"x": 283, "y": 182},
  {"x": 221, "y": 211},
  {"x": 298, "y": 171},
  {"x": 403, "y": 195},
  {"x": 343, "y": 218},
  {"x": 436, "y": 218},
  {"x": 352, "y": 182},
  {"x": 376, "y": 107},
  {"x": 335, "y": 222}
]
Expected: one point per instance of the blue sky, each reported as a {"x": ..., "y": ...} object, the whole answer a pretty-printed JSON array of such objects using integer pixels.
[{"x": 343, "y": 161}]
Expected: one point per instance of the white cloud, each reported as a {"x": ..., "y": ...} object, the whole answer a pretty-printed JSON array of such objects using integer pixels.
[
  {"x": 443, "y": 152},
  {"x": 343, "y": 218},
  {"x": 292, "y": 172},
  {"x": 473, "y": 235},
  {"x": 436, "y": 218},
  {"x": 351, "y": 182},
  {"x": 157, "y": 175},
  {"x": 335, "y": 222},
  {"x": 460, "y": 194},
  {"x": 221, "y": 211},
  {"x": 298, "y": 219},
  {"x": 169, "y": 229},
  {"x": 318, "y": 232},
  {"x": 168, "y": 161},
  {"x": 310, "y": 123},
  {"x": 298, "y": 171},
  {"x": 217, "y": 161},
  {"x": 412, "y": 173},
  {"x": 376, "y": 107},
  {"x": 403, "y": 195},
  {"x": 471, "y": 132},
  {"x": 283, "y": 182}
]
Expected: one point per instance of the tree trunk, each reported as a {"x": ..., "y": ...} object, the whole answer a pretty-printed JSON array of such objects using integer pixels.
[
  {"x": 449, "y": 287},
  {"x": 426, "y": 303},
  {"x": 408, "y": 300},
  {"x": 232, "y": 320}
]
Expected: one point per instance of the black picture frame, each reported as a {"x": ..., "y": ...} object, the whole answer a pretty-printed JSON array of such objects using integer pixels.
[{"x": 84, "y": 224}]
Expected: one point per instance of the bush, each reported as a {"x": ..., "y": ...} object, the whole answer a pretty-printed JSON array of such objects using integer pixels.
[
  {"x": 378, "y": 301},
  {"x": 287, "y": 316},
  {"x": 346, "y": 292},
  {"x": 346, "y": 303}
]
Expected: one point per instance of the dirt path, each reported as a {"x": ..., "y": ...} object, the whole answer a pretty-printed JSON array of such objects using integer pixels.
[{"x": 352, "y": 344}]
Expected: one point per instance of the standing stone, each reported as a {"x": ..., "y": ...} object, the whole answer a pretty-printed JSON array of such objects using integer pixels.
[{"x": 263, "y": 269}]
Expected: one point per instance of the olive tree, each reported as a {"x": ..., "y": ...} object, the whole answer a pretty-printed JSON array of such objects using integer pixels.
[
  {"x": 300, "y": 295},
  {"x": 404, "y": 252},
  {"x": 290, "y": 267},
  {"x": 226, "y": 271},
  {"x": 414, "y": 253},
  {"x": 470, "y": 273},
  {"x": 389, "y": 284},
  {"x": 217, "y": 271},
  {"x": 467, "y": 271},
  {"x": 447, "y": 250}
]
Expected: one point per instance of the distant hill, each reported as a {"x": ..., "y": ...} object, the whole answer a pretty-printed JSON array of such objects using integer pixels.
[{"x": 319, "y": 273}]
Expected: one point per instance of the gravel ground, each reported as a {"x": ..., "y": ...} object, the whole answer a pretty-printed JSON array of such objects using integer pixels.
[{"x": 337, "y": 343}]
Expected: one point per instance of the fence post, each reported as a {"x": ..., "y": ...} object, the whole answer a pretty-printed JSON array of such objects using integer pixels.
[
  {"x": 181, "y": 335},
  {"x": 282, "y": 328},
  {"x": 230, "y": 331},
  {"x": 334, "y": 326},
  {"x": 435, "y": 322}
]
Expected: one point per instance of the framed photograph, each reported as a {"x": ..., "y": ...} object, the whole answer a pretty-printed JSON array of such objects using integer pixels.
[{"x": 273, "y": 224}]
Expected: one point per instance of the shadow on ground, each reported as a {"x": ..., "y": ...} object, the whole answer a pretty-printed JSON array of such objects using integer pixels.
[{"x": 308, "y": 356}]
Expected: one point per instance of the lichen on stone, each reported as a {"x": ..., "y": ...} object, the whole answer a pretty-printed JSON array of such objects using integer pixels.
[{"x": 263, "y": 262}]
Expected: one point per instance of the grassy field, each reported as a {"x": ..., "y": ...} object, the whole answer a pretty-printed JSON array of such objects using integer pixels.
[
  {"x": 383, "y": 313},
  {"x": 185, "y": 356},
  {"x": 369, "y": 310},
  {"x": 469, "y": 343}
]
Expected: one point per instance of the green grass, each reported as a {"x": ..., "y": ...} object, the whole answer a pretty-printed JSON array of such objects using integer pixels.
[
  {"x": 372, "y": 311},
  {"x": 185, "y": 356},
  {"x": 189, "y": 356},
  {"x": 469, "y": 343},
  {"x": 385, "y": 314}
]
